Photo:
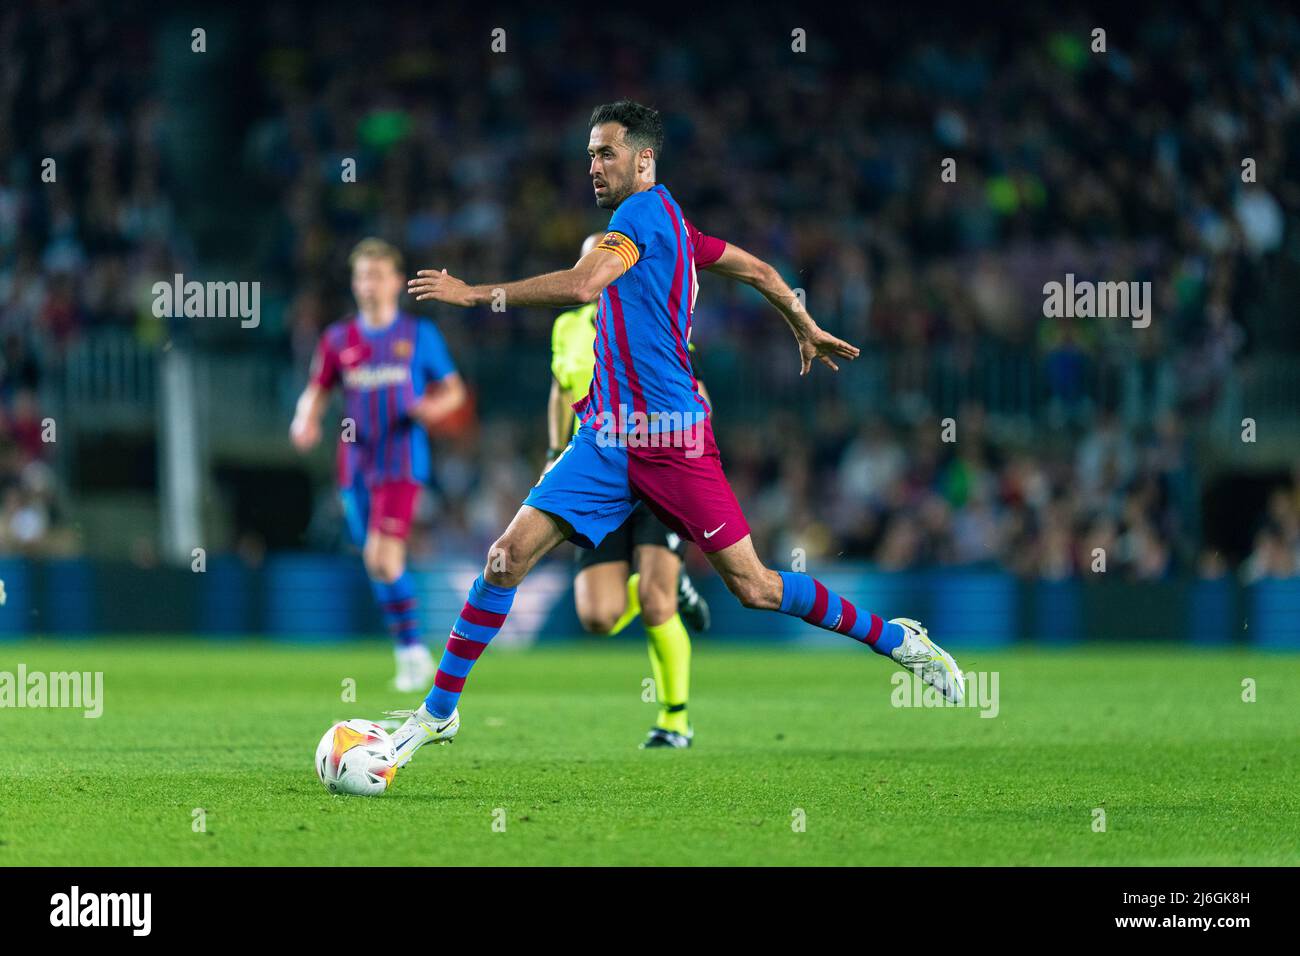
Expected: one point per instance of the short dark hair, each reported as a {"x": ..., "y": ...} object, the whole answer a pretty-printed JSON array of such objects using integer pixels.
[{"x": 644, "y": 127}]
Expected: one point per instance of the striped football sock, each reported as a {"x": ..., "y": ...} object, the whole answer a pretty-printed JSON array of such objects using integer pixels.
[
  {"x": 808, "y": 598},
  {"x": 484, "y": 612},
  {"x": 397, "y": 604}
]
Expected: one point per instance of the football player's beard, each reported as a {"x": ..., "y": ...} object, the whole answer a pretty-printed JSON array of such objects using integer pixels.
[{"x": 613, "y": 195}]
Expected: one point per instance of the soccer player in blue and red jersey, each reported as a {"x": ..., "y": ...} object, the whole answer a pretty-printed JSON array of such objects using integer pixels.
[
  {"x": 397, "y": 379},
  {"x": 636, "y": 570},
  {"x": 645, "y": 437}
]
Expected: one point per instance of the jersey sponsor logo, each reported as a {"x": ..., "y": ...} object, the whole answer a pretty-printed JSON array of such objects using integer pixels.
[
  {"x": 366, "y": 377},
  {"x": 710, "y": 534}
]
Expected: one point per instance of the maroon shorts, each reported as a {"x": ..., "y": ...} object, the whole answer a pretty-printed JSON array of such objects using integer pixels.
[
  {"x": 392, "y": 506},
  {"x": 683, "y": 484}
]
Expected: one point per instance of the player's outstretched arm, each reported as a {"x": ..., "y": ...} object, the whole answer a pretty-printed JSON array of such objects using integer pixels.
[
  {"x": 814, "y": 342},
  {"x": 579, "y": 285}
]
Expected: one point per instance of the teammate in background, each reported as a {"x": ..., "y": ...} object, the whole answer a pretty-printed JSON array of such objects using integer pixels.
[
  {"x": 608, "y": 593},
  {"x": 397, "y": 379},
  {"x": 645, "y": 431}
]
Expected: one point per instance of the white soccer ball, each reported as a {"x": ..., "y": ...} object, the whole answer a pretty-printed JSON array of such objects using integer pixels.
[{"x": 357, "y": 757}]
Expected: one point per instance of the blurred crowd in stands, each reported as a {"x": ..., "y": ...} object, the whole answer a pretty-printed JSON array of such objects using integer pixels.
[
  {"x": 1114, "y": 166},
  {"x": 1114, "y": 500}
]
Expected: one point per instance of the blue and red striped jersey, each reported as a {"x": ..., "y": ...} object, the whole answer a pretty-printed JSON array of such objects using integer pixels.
[
  {"x": 643, "y": 322},
  {"x": 382, "y": 372}
]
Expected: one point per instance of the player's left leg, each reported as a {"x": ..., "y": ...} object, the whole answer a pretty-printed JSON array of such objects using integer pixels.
[
  {"x": 800, "y": 595},
  {"x": 392, "y": 506},
  {"x": 684, "y": 483}
]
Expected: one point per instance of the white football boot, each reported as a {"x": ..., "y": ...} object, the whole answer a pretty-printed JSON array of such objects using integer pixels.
[
  {"x": 421, "y": 727},
  {"x": 928, "y": 660},
  {"x": 415, "y": 668}
]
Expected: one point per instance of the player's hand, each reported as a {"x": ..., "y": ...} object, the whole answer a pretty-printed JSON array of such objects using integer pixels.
[
  {"x": 440, "y": 287},
  {"x": 423, "y": 412},
  {"x": 304, "y": 433},
  {"x": 821, "y": 345}
]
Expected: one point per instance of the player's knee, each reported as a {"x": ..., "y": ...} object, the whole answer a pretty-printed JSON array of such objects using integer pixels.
[
  {"x": 385, "y": 568},
  {"x": 597, "y": 620},
  {"x": 504, "y": 564},
  {"x": 658, "y": 602},
  {"x": 385, "y": 573}
]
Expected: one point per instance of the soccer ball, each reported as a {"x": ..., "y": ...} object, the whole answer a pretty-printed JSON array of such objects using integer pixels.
[{"x": 357, "y": 757}]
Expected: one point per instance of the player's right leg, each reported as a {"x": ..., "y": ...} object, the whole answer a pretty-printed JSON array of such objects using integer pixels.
[
  {"x": 529, "y": 537},
  {"x": 583, "y": 497}
]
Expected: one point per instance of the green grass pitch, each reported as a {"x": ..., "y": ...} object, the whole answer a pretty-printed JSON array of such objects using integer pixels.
[{"x": 1185, "y": 771}]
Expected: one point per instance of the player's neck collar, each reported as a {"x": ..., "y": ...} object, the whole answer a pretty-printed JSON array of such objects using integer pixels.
[{"x": 368, "y": 329}]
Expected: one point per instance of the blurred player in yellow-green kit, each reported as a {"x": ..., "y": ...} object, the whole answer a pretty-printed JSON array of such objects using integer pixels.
[{"x": 636, "y": 569}]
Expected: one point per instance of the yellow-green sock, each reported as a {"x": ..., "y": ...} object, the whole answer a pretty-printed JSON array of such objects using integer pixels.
[
  {"x": 633, "y": 608},
  {"x": 670, "y": 659},
  {"x": 656, "y": 668}
]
